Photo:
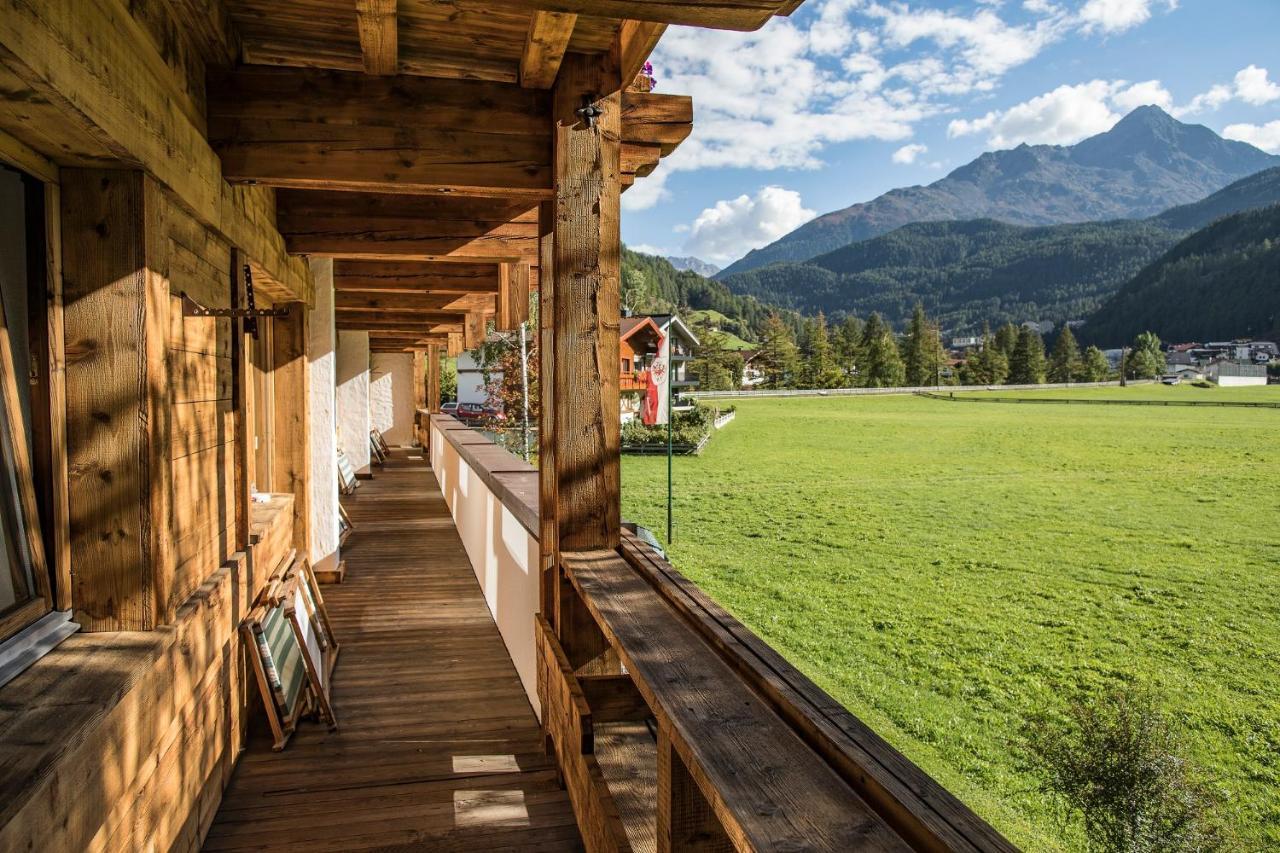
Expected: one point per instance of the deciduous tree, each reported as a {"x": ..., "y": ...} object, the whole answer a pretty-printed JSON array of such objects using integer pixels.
[
  {"x": 1094, "y": 367},
  {"x": 1146, "y": 358}
]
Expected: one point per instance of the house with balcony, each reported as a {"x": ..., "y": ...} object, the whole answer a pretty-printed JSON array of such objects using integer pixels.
[{"x": 251, "y": 227}]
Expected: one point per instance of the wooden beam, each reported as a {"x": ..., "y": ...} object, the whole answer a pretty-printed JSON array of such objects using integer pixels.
[
  {"x": 654, "y": 119},
  {"x": 409, "y": 329},
  {"x": 379, "y": 39},
  {"x": 544, "y": 48},
  {"x": 548, "y": 551},
  {"x": 686, "y": 821},
  {"x": 336, "y": 130},
  {"x": 419, "y": 379},
  {"x": 586, "y": 271},
  {"x": 473, "y": 330},
  {"x": 115, "y": 253},
  {"x": 504, "y": 320},
  {"x": 89, "y": 71},
  {"x": 454, "y": 345},
  {"x": 387, "y": 226},
  {"x": 639, "y": 159},
  {"x": 355, "y": 300},
  {"x": 411, "y": 319},
  {"x": 433, "y": 378},
  {"x": 744, "y": 15},
  {"x": 636, "y": 40},
  {"x": 415, "y": 277}
]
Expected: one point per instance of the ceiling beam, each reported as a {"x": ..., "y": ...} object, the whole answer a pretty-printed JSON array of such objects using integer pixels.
[
  {"x": 742, "y": 15},
  {"x": 411, "y": 318},
  {"x": 355, "y": 300},
  {"x": 415, "y": 277},
  {"x": 379, "y": 35},
  {"x": 636, "y": 40},
  {"x": 387, "y": 226},
  {"x": 312, "y": 129},
  {"x": 544, "y": 48}
]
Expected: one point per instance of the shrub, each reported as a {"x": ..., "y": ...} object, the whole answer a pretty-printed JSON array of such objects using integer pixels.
[
  {"x": 1112, "y": 763},
  {"x": 687, "y": 428}
]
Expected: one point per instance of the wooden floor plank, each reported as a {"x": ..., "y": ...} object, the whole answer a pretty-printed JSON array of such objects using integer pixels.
[{"x": 438, "y": 747}]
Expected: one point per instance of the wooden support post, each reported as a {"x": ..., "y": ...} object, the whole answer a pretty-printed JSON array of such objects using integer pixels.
[
  {"x": 584, "y": 384},
  {"x": 686, "y": 821},
  {"x": 292, "y": 463},
  {"x": 433, "y": 379},
  {"x": 116, "y": 321},
  {"x": 505, "y": 320},
  {"x": 548, "y": 551},
  {"x": 420, "y": 380},
  {"x": 242, "y": 401}
]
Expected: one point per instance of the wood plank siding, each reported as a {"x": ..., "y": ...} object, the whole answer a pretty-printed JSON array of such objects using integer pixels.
[{"x": 438, "y": 746}]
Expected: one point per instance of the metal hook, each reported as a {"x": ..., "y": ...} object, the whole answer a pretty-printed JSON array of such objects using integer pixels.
[{"x": 589, "y": 111}]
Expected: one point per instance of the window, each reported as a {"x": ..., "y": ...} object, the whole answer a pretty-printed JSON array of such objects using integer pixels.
[{"x": 25, "y": 584}]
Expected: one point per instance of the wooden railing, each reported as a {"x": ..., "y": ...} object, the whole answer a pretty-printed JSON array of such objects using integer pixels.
[{"x": 741, "y": 750}]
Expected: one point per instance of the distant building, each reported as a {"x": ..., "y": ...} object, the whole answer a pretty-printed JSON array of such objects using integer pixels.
[
  {"x": 966, "y": 342},
  {"x": 638, "y": 340},
  {"x": 1042, "y": 327},
  {"x": 752, "y": 375},
  {"x": 1229, "y": 373}
]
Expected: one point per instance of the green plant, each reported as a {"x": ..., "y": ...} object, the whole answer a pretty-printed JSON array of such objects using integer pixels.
[{"x": 1113, "y": 763}]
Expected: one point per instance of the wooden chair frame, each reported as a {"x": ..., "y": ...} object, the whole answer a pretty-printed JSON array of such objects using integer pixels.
[
  {"x": 319, "y": 669},
  {"x": 270, "y": 686}
]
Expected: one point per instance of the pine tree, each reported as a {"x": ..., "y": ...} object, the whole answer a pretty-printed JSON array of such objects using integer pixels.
[
  {"x": 1146, "y": 359},
  {"x": 819, "y": 368},
  {"x": 881, "y": 364},
  {"x": 919, "y": 350},
  {"x": 778, "y": 354},
  {"x": 847, "y": 339},
  {"x": 1094, "y": 367},
  {"x": 1064, "y": 364},
  {"x": 716, "y": 366},
  {"x": 1007, "y": 339},
  {"x": 986, "y": 365},
  {"x": 1026, "y": 367}
]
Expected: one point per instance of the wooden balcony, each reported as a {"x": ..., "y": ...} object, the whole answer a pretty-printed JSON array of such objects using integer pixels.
[{"x": 438, "y": 746}]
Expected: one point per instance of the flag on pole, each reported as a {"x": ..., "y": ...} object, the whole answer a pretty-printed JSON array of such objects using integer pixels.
[{"x": 656, "y": 398}]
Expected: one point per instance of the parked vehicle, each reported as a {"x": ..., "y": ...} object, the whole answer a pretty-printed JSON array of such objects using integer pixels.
[
  {"x": 470, "y": 411},
  {"x": 449, "y": 408}
]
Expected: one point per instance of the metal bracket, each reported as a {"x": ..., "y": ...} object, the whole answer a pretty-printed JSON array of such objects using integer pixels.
[
  {"x": 589, "y": 111},
  {"x": 191, "y": 308}
]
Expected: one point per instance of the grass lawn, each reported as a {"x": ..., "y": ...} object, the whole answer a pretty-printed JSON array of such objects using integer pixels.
[{"x": 944, "y": 569}]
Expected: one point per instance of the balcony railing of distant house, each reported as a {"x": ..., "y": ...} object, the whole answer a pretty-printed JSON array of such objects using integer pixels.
[{"x": 737, "y": 748}]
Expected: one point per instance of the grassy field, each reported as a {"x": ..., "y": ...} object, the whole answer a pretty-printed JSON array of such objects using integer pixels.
[{"x": 945, "y": 569}]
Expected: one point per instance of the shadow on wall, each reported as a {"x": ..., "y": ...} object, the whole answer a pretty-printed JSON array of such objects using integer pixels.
[{"x": 391, "y": 399}]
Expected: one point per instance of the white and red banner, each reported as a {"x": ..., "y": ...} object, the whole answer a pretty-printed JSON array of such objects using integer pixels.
[{"x": 656, "y": 397}]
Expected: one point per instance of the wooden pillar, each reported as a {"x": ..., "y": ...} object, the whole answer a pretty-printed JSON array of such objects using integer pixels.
[
  {"x": 420, "y": 380},
  {"x": 292, "y": 464},
  {"x": 548, "y": 550},
  {"x": 243, "y": 402},
  {"x": 584, "y": 379},
  {"x": 686, "y": 821},
  {"x": 433, "y": 378},
  {"x": 116, "y": 322}
]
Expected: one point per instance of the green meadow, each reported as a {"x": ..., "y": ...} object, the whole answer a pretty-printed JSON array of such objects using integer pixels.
[{"x": 946, "y": 569}]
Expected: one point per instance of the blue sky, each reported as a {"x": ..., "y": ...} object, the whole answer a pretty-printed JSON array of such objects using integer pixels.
[{"x": 849, "y": 98}]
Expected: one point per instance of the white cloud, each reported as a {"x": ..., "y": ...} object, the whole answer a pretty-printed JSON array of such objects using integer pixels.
[
  {"x": 648, "y": 249},
  {"x": 1114, "y": 16},
  {"x": 646, "y": 192},
  {"x": 1264, "y": 136},
  {"x": 1142, "y": 94},
  {"x": 1251, "y": 85},
  {"x": 907, "y": 154},
  {"x": 726, "y": 231},
  {"x": 1061, "y": 117}
]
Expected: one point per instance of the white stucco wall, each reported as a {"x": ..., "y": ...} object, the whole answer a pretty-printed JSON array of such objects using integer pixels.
[
  {"x": 391, "y": 396},
  {"x": 503, "y": 555},
  {"x": 352, "y": 398},
  {"x": 321, "y": 363}
]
